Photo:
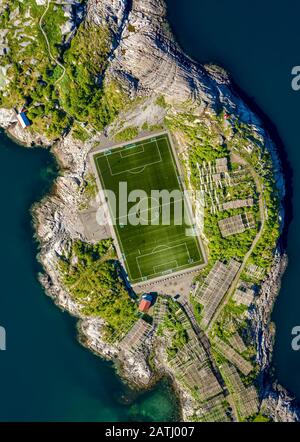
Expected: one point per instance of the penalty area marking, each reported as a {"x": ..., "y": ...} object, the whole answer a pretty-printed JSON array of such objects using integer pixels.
[
  {"x": 171, "y": 267},
  {"x": 137, "y": 258},
  {"x": 123, "y": 155},
  {"x": 133, "y": 168}
]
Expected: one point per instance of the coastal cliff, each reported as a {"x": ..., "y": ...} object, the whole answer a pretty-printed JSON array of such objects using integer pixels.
[{"x": 145, "y": 60}]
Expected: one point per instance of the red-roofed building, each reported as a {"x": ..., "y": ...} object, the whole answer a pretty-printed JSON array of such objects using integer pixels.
[{"x": 144, "y": 305}]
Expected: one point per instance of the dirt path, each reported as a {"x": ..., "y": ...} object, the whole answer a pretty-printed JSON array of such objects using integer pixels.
[
  {"x": 81, "y": 123},
  {"x": 48, "y": 44}
]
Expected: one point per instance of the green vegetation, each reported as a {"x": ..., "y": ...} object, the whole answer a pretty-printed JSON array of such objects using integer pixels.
[
  {"x": 204, "y": 140},
  {"x": 90, "y": 274},
  {"x": 214, "y": 137},
  {"x": 207, "y": 140},
  {"x": 149, "y": 249},
  {"x": 30, "y": 67},
  {"x": 55, "y": 100},
  {"x": 127, "y": 134},
  {"x": 156, "y": 127},
  {"x": 82, "y": 93},
  {"x": 152, "y": 127},
  {"x": 131, "y": 28},
  {"x": 145, "y": 126},
  {"x": 160, "y": 101},
  {"x": 173, "y": 328},
  {"x": 260, "y": 159},
  {"x": 261, "y": 418},
  {"x": 197, "y": 308},
  {"x": 51, "y": 25},
  {"x": 81, "y": 99},
  {"x": 80, "y": 133},
  {"x": 230, "y": 320},
  {"x": 235, "y": 246},
  {"x": 89, "y": 191}
]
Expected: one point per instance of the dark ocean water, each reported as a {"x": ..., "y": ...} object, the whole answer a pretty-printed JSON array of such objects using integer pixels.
[
  {"x": 258, "y": 42},
  {"x": 45, "y": 374}
]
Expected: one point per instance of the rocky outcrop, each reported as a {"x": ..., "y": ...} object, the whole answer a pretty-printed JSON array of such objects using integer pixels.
[
  {"x": 147, "y": 61},
  {"x": 132, "y": 367},
  {"x": 57, "y": 222},
  {"x": 279, "y": 404},
  {"x": 276, "y": 401},
  {"x": 7, "y": 118},
  {"x": 260, "y": 316}
]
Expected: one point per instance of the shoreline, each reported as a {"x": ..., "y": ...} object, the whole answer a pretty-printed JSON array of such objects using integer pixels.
[
  {"x": 287, "y": 169},
  {"x": 288, "y": 174},
  {"x": 51, "y": 208}
]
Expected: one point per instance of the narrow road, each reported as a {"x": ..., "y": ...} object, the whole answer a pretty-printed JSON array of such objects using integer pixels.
[
  {"x": 237, "y": 159},
  {"x": 204, "y": 341},
  {"x": 81, "y": 123},
  {"x": 48, "y": 44}
]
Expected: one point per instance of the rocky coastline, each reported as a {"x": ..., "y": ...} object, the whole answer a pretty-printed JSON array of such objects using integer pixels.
[{"x": 145, "y": 61}]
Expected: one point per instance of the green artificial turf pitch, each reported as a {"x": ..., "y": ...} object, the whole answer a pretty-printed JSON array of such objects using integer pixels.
[{"x": 148, "y": 251}]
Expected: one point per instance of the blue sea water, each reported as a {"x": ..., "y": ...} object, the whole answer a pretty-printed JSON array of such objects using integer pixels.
[
  {"x": 45, "y": 374},
  {"x": 258, "y": 42}
]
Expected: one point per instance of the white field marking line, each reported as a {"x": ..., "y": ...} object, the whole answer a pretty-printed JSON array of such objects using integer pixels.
[
  {"x": 131, "y": 154},
  {"x": 182, "y": 189},
  {"x": 176, "y": 171},
  {"x": 138, "y": 171},
  {"x": 117, "y": 146},
  {"x": 170, "y": 268},
  {"x": 114, "y": 150},
  {"x": 117, "y": 233},
  {"x": 161, "y": 245},
  {"x": 187, "y": 265},
  {"x": 120, "y": 244},
  {"x": 168, "y": 248},
  {"x": 165, "y": 246},
  {"x": 183, "y": 266},
  {"x": 138, "y": 266},
  {"x": 118, "y": 149},
  {"x": 134, "y": 168},
  {"x": 149, "y": 209},
  {"x": 119, "y": 238}
]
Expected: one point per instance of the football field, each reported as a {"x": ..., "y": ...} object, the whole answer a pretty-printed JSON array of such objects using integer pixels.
[{"x": 153, "y": 233}]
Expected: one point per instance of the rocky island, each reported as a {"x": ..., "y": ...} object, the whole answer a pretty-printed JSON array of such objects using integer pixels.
[{"x": 84, "y": 78}]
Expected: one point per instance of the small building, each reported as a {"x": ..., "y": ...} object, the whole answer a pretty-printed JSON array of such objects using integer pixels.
[
  {"x": 144, "y": 305},
  {"x": 148, "y": 297},
  {"x": 23, "y": 120}
]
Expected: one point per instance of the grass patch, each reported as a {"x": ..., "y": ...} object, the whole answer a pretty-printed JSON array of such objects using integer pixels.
[
  {"x": 90, "y": 274},
  {"x": 149, "y": 249},
  {"x": 127, "y": 134}
]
